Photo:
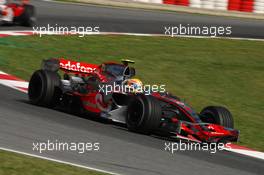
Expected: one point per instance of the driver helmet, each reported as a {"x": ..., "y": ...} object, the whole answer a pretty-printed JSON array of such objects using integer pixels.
[{"x": 133, "y": 85}]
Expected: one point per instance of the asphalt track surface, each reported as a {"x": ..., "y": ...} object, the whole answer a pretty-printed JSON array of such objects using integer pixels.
[
  {"x": 121, "y": 151},
  {"x": 135, "y": 21}
]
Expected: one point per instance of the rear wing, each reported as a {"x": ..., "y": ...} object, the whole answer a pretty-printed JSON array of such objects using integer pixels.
[{"x": 54, "y": 64}]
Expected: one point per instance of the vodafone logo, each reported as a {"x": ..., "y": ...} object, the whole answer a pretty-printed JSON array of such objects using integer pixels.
[{"x": 77, "y": 66}]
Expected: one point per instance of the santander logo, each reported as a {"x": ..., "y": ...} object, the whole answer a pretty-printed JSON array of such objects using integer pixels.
[{"x": 77, "y": 66}]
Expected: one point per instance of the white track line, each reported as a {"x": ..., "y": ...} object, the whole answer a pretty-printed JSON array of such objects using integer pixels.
[
  {"x": 22, "y": 84},
  {"x": 21, "y": 33},
  {"x": 255, "y": 154},
  {"x": 58, "y": 161},
  {"x": 15, "y": 84},
  {"x": 11, "y": 33},
  {"x": 1, "y": 72}
]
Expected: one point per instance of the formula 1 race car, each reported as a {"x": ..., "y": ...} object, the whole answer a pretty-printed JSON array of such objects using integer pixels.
[
  {"x": 81, "y": 90},
  {"x": 21, "y": 13}
]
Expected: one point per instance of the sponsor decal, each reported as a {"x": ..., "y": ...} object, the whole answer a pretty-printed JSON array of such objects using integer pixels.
[{"x": 77, "y": 66}]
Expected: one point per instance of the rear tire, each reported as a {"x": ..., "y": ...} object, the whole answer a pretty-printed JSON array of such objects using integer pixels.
[
  {"x": 28, "y": 18},
  {"x": 44, "y": 88},
  {"x": 217, "y": 115},
  {"x": 144, "y": 114}
]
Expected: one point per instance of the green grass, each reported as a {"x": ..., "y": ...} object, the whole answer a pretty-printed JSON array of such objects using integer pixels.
[
  {"x": 203, "y": 71},
  {"x": 16, "y": 164}
]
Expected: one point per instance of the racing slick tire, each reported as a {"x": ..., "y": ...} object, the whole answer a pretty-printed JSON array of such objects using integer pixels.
[
  {"x": 143, "y": 114},
  {"x": 28, "y": 18},
  {"x": 44, "y": 88},
  {"x": 217, "y": 115}
]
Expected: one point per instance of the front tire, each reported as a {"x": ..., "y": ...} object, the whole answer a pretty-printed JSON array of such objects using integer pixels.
[
  {"x": 217, "y": 115},
  {"x": 144, "y": 114}
]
